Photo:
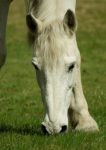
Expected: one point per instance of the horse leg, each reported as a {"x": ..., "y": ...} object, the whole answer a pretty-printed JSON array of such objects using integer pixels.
[
  {"x": 4, "y": 7},
  {"x": 80, "y": 116}
]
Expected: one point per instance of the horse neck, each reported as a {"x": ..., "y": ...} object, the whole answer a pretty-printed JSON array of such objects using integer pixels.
[{"x": 49, "y": 10}]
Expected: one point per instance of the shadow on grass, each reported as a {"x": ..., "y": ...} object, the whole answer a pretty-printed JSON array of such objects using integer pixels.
[{"x": 23, "y": 130}]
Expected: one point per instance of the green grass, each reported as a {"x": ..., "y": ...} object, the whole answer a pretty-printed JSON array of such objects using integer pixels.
[{"x": 21, "y": 109}]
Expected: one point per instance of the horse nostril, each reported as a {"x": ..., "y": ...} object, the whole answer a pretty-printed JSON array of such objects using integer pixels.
[
  {"x": 63, "y": 129},
  {"x": 44, "y": 129}
]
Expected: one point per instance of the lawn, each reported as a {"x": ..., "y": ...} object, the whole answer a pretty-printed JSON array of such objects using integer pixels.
[{"x": 21, "y": 109}]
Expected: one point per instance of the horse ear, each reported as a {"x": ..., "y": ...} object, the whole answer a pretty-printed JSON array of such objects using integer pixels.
[
  {"x": 34, "y": 25},
  {"x": 70, "y": 21}
]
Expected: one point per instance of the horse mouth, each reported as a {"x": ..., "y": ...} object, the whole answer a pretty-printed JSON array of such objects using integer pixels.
[{"x": 48, "y": 130}]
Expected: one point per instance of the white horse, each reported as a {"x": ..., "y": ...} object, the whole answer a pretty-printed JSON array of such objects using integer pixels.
[{"x": 52, "y": 32}]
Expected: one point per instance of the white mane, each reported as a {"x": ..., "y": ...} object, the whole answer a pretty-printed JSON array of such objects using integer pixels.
[
  {"x": 49, "y": 10},
  {"x": 51, "y": 13},
  {"x": 50, "y": 43}
]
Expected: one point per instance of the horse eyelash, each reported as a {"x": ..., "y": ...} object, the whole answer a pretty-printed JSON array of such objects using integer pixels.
[{"x": 71, "y": 67}]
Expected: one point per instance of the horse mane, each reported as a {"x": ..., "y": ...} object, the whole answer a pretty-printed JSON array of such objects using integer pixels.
[
  {"x": 49, "y": 42},
  {"x": 32, "y": 5}
]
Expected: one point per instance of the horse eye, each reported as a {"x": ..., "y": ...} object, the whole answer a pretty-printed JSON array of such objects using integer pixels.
[
  {"x": 35, "y": 66},
  {"x": 71, "y": 67}
]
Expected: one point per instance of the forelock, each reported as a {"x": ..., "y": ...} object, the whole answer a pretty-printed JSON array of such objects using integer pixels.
[{"x": 49, "y": 42}]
